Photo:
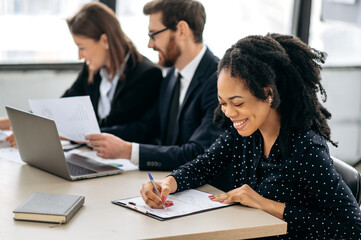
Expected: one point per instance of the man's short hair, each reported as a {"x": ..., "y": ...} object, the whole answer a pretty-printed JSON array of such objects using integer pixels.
[{"x": 173, "y": 11}]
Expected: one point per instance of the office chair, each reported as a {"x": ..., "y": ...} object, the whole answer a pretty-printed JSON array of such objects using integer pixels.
[{"x": 351, "y": 177}]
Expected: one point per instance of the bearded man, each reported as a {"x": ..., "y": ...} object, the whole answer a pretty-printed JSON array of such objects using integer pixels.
[{"x": 180, "y": 125}]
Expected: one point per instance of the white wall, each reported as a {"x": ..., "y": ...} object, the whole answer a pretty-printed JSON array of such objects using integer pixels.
[
  {"x": 17, "y": 87},
  {"x": 343, "y": 86}
]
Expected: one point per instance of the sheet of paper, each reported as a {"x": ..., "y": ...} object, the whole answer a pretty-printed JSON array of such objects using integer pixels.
[
  {"x": 6, "y": 151},
  {"x": 4, "y": 134},
  {"x": 11, "y": 154},
  {"x": 123, "y": 164},
  {"x": 74, "y": 116},
  {"x": 186, "y": 202},
  {"x": 4, "y": 144}
]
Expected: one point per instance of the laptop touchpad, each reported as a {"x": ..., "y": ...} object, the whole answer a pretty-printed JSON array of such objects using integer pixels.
[{"x": 89, "y": 163}]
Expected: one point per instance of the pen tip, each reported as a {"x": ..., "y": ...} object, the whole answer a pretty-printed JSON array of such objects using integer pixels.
[{"x": 150, "y": 176}]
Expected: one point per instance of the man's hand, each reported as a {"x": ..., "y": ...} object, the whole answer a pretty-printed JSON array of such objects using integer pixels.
[{"x": 109, "y": 146}]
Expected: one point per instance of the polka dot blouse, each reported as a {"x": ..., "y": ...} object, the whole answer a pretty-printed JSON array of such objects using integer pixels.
[{"x": 319, "y": 205}]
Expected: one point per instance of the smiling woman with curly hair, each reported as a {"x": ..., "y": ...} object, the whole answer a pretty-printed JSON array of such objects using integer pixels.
[{"x": 274, "y": 146}]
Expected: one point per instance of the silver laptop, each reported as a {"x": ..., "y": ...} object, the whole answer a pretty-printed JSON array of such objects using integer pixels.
[{"x": 39, "y": 146}]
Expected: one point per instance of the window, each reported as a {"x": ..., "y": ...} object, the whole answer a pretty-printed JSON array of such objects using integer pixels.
[
  {"x": 336, "y": 29},
  {"x": 232, "y": 20},
  {"x": 36, "y": 30},
  {"x": 226, "y": 22}
]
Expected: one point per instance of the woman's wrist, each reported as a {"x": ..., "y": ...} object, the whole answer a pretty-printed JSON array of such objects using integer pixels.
[
  {"x": 172, "y": 183},
  {"x": 274, "y": 208}
]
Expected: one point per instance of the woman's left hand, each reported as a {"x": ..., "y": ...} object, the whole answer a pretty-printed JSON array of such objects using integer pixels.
[
  {"x": 11, "y": 140},
  {"x": 244, "y": 195},
  {"x": 249, "y": 197}
]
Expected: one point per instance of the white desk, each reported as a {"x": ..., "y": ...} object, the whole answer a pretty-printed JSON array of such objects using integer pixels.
[{"x": 100, "y": 219}]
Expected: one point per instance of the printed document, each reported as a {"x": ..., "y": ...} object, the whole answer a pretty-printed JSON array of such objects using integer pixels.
[
  {"x": 187, "y": 202},
  {"x": 123, "y": 164},
  {"x": 3, "y": 135},
  {"x": 74, "y": 116},
  {"x": 11, "y": 154}
]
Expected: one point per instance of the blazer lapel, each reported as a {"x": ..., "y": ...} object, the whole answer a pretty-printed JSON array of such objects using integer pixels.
[
  {"x": 121, "y": 83},
  {"x": 119, "y": 88},
  {"x": 94, "y": 92},
  {"x": 196, "y": 80}
]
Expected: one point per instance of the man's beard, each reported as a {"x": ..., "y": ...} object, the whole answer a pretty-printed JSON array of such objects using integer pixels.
[{"x": 171, "y": 54}]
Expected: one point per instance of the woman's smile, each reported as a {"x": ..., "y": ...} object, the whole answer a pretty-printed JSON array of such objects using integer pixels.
[{"x": 240, "y": 124}]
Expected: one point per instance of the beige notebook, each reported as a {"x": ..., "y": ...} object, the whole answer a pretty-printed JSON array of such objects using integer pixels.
[{"x": 49, "y": 207}]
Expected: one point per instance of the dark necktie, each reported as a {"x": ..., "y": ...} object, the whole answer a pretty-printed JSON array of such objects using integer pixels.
[{"x": 173, "y": 112}]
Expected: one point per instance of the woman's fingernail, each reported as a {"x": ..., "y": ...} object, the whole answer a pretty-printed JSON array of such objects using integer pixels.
[
  {"x": 164, "y": 198},
  {"x": 211, "y": 197},
  {"x": 221, "y": 201},
  {"x": 168, "y": 203}
]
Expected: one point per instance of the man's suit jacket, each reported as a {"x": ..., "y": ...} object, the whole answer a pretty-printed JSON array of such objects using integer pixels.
[
  {"x": 133, "y": 96},
  {"x": 194, "y": 130}
]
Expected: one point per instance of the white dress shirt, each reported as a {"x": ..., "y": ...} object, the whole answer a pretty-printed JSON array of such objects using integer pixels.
[
  {"x": 187, "y": 75},
  {"x": 107, "y": 88}
]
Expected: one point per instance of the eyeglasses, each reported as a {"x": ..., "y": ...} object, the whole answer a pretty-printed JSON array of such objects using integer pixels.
[{"x": 151, "y": 35}]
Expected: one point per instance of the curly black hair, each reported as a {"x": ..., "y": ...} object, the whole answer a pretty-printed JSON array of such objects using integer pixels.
[{"x": 292, "y": 70}]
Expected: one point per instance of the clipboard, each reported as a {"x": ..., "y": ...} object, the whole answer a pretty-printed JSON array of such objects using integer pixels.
[{"x": 185, "y": 203}]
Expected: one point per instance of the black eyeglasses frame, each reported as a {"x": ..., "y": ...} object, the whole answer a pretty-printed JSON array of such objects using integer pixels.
[{"x": 151, "y": 35}]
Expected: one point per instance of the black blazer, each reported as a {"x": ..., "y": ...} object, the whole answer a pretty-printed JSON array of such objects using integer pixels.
[
  {"x": 194, "y": 131},
  {"x": 133, "y": 96}
]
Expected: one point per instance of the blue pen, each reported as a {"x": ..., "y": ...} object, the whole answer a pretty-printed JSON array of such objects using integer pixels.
[{"x": 155, "y": 187}]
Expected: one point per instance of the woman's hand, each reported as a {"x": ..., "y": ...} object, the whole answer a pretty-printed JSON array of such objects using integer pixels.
[
  {"x": 11, "y": 140},
  {"x": 165, "y": 187},
  {"x": 248, "y": 197}
]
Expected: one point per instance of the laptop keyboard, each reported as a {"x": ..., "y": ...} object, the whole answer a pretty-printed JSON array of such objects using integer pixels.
[{"x": 75, "y": 170}]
